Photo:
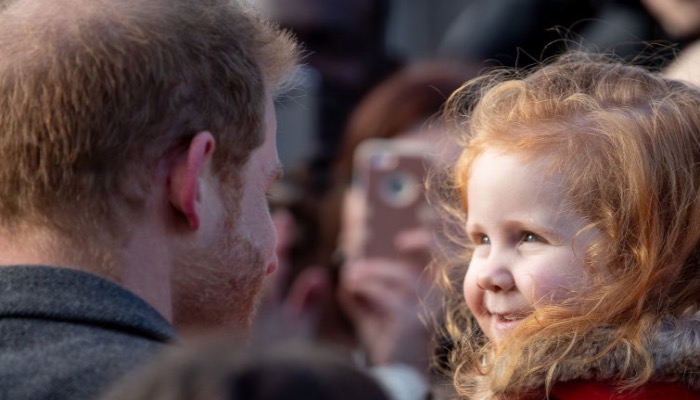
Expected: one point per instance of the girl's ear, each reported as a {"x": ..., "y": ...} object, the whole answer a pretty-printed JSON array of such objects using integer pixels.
[{"x": 184, "y": 179}]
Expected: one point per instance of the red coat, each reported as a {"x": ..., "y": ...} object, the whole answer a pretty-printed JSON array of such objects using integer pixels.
[
  {"x": 674, "y": 348},
  {"x": 592, "y": 390}
]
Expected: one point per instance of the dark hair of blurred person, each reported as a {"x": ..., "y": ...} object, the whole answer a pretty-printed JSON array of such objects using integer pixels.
[
  {"x": 219, "y": 370},
  {"x": 521, "y": 33}
]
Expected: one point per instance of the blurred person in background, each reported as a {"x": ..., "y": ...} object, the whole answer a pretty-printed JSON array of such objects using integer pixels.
[
  {"x": 298, "y": 201},
  {"x": 338, "y": 298},
  {"x": 220, "y": 370},
  {"x": 390, "y": 299}
]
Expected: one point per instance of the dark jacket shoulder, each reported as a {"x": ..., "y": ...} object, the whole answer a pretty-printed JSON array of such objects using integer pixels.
[{"x": 66, "y": 334}]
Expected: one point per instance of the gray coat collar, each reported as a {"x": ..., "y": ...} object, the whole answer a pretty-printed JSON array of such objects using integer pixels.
[{"x": 73, "y": 296}]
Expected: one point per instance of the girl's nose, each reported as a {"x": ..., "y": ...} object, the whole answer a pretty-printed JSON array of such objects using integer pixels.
[{"x": 495, "y": 274}]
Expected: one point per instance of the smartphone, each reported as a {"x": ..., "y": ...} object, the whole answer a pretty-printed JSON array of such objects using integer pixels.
[{"x": 390, "y": 175}]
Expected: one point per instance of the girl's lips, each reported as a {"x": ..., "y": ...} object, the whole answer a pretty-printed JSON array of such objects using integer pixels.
[
  {"x": 506, "y": 321},
  {"x": 508, "y": 317}
]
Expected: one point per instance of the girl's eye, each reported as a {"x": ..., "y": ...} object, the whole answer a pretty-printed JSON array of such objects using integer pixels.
[{"x": 484, "y": 240}]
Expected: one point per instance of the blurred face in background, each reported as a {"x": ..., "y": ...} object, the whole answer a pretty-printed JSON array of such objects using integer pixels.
[
  {"x": 354, "y": 211},
  {"x": 679, "y": 18}
]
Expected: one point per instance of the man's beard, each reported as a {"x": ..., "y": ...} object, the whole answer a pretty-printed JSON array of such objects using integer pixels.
[{"x": 218, "y": 287}]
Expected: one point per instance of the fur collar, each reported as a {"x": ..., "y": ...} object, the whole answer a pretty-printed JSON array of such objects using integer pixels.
[{"x": 675, "y": 350}]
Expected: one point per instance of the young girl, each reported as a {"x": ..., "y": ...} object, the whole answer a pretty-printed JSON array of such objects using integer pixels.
[{"x": 579, "y": 188}]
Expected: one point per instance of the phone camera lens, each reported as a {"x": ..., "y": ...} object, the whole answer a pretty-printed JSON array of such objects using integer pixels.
[{"x": 399, "y": 189}]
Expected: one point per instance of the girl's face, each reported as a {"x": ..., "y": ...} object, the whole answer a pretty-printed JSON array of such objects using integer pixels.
[{"x": 527, "y": 251}]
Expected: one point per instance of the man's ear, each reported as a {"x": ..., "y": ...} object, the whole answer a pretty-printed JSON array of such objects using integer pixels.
[{"x": 184, "y": 191}]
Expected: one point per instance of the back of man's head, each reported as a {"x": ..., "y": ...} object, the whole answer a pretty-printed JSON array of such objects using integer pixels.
[{"x": 94, "y": 93}]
